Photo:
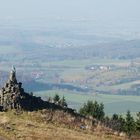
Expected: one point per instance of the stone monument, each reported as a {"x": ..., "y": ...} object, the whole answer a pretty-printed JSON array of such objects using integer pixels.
[
  {"x": 11, "y": 93},
  {"x": 12, "y": 96}
]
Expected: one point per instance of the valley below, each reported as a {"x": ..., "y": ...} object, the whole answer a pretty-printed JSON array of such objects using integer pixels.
[{"x": 107, "y": 71}]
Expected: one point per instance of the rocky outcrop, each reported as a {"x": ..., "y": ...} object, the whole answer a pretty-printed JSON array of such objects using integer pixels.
[{"x": 12, "y": 96}]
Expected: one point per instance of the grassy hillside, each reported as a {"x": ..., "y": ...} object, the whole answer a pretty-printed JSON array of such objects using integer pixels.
[{"x": 31, "y": 126}]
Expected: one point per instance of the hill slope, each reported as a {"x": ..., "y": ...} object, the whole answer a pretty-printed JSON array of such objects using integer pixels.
[{"x": 31, "y": 126}]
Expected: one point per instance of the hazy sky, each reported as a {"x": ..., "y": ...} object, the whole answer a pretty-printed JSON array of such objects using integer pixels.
[
  {"x": 101, "y": 17},
  {"x": 71, "y": 9}
]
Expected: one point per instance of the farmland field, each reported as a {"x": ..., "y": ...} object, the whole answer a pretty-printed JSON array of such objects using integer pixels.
[
  {"x": 113, "y": 103},
  {"x": 78, "y": 82}
]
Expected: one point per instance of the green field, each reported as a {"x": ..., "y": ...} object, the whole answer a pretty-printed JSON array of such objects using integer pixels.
[{"x": 113, "y": 103}]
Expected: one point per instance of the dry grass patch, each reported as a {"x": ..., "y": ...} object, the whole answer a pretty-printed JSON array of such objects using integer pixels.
[{"x": 28, "y": 126}]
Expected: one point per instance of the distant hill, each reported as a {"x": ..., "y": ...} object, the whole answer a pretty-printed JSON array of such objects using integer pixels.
[{"x": 61, "y": 45}]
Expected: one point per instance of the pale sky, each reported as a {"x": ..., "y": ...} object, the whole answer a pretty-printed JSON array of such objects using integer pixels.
[{"x": 71, "y": 9}]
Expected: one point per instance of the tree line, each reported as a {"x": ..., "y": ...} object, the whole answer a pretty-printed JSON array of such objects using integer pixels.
[{"x": 117, "y": 122}]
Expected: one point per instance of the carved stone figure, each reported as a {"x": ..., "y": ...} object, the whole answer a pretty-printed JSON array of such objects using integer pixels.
[{"x": 12, "y": 77}]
